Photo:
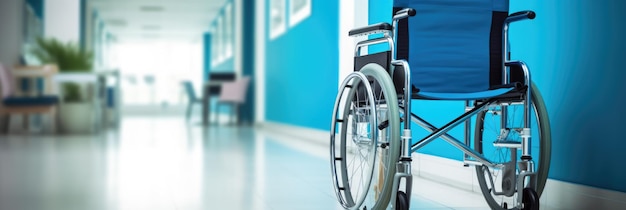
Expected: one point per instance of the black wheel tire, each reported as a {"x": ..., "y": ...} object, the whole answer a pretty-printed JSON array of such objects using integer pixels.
[
  {"x": 402, "y": 201},
  {"x": 530, "y": 199}
]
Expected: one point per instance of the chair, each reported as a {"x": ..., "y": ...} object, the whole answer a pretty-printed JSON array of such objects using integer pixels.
[
  {"x": 234, "y": 94},
  {"x": 40, "y": 101},
  {"x": 212, "y": 87},
  {"x": 192, "y": 97},
  {"x": 454, "y": 50}
]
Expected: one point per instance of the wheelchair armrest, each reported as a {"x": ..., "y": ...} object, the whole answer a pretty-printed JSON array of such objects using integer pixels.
[
  {"x": 518, "y": 72},
  {"x": 371, "y": 29}
]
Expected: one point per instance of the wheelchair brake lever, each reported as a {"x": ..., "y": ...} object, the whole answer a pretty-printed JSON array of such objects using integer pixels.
[{"x": 385, "y": 124}]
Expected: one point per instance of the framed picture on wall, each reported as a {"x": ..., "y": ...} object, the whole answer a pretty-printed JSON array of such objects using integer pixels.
[
  {"x": 277, "y": 18},
  {"x": 298, "y": 11}
]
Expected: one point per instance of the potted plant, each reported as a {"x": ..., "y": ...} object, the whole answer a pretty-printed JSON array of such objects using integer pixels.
[{"x": 75, "y": 111}]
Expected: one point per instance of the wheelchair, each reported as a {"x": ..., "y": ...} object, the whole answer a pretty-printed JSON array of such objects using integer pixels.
[{"x": 439, "y": 50}]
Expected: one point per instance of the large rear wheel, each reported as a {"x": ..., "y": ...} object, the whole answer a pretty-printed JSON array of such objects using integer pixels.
[
  {"x": 500, "y": 143},
  {"x": 364, "y": 151}
]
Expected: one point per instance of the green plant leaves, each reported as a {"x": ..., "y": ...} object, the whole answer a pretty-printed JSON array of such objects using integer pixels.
[
  {"x": 71, "y": 92},
  {"x": 67, "y": 56}
]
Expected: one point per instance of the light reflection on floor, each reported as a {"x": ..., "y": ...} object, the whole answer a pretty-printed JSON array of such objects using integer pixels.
[{"x": 167, "y": 163}]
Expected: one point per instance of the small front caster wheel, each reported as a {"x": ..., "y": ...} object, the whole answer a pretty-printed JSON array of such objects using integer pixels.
[
  {"x": 402, "y": 201},
  {"x": 530, "y": 199}
]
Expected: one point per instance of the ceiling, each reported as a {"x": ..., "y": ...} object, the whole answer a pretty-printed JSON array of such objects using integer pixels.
[{"x": 141, "y": 20}]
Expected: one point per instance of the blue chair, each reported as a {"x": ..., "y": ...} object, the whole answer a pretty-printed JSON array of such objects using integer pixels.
[
  {"x": 191, "y": 96},
  {"x": 15, "y": 101},
  {"x": 454, "y": 50}
]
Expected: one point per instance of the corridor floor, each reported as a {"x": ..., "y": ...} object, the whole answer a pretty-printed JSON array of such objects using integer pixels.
[{"x": 167, "y": 163}]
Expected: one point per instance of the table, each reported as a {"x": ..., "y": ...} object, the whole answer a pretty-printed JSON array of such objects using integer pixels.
[
  {"x": 212, "y": 87},
  {"x": 209, "y": 89}
]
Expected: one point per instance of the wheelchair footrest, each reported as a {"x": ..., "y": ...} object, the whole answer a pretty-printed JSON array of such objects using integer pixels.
[{"x": 508, "y": 144}]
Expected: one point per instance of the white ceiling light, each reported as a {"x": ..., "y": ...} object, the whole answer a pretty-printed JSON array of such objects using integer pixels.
[
  {"x": 176, "y": 19},
  {"x": 151, "y": 8},
  {"x": 116, "y": 22},
  {"x": 151, "y": 27}
]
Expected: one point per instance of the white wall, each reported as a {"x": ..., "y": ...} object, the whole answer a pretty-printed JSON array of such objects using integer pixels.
[
  {"x": 89, "y": 26},
  {"x": 238, "y": 50},
  {"x": 11, "y": 31},
  {"x": 259, "y": 53},
  {"x": 62, "y": 20},
  {"x": 352, "y": 14}
]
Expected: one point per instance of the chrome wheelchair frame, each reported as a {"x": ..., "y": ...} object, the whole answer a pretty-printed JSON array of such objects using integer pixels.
[{"x": 525, "y": 180}]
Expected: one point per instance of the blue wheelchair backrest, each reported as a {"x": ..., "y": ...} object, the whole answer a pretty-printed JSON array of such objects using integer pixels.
[{"x": 453, "y": 46}]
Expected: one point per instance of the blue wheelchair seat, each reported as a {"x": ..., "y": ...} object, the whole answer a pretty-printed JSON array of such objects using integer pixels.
[
  {"x": 454, "y": 47},
  {"x": 465, "y": 96}
]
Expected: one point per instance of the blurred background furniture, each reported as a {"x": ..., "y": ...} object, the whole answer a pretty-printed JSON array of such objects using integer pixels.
[
  {"x": 79, "y": 115},
  {"x": 99, "y": 106},
  {"x": 37, "y": 98},
  {"x": 191, "y": 96},
  {"x": 109, "y": 95},
  {"x": 234, "y": 94},
  {"x": 212, "y": 88}
]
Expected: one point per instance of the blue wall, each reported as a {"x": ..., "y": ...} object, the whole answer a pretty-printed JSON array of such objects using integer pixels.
[
  {"x": 37, "y": 6},
  {"x": 301, "y": 69},
  {"x": 379, "y": 11},
  {"x": 247, "y": 111},
  {"x": 574, "y": 49},
  {"x": 578, "y": 63},
  {"x": 207, "y": 56}
]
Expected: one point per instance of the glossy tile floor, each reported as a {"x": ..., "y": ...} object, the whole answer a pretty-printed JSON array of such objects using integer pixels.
[{"x": 166, "y": 163}]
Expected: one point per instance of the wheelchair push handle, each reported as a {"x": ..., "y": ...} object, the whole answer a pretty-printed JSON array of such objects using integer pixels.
[
  {"x": 522, "y": 15},
  {"x": 404, "y": 13}
]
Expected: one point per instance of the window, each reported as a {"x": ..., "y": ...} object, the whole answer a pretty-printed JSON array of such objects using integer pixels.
[
  {"x": 222, "y": 41},
  {"x": 229, "y": 32}
]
